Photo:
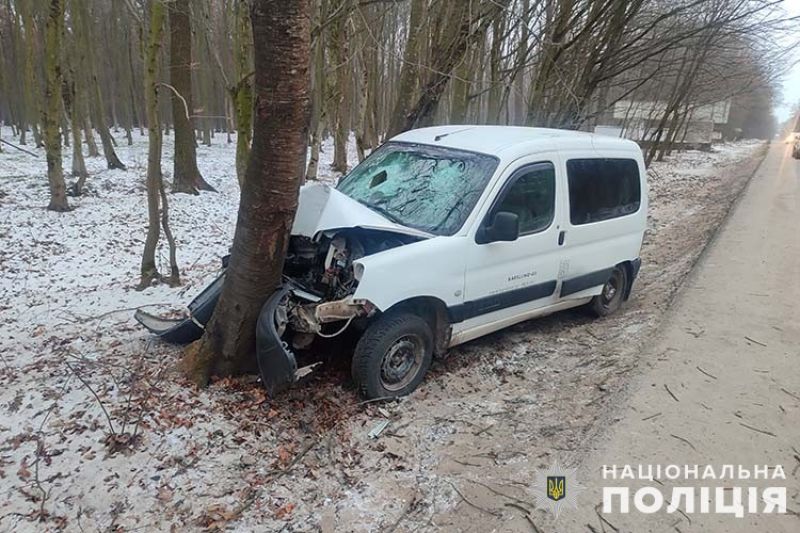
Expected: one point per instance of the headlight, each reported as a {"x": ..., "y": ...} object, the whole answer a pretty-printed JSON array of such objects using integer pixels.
[{"x": 358, "y": 271}]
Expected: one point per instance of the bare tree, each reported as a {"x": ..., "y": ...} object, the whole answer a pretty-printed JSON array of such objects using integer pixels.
[
  {"x": 96, "y": 101},
  {"x": 157, "y": 208},
  {"x": 409, "y": 73},
  {"x": 340, "y": 86},
  {"x": 54, "y": 32},
  {"x": 186, "y": 176}
]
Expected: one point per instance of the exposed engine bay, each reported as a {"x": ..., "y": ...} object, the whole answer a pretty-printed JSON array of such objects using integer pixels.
[
  {"x": 322, "y": 278},
  {"x": 331, "y": 232}
]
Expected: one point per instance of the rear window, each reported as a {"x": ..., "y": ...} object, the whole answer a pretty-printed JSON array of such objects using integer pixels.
[{"x": 602, "y": 189}]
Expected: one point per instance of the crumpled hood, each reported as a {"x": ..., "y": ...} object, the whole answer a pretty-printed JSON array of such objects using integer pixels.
[{"x": 323, "y": 208}]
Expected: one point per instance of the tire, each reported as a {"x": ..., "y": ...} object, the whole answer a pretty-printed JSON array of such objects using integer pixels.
[
  {"x": 393, "y": 355},
  {"x": 610, "y": 300}
]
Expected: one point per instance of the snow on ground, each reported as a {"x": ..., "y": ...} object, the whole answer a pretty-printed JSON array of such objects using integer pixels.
[
  {"x": 100, "y": 431},
  {"x": 86, "y": 262}
]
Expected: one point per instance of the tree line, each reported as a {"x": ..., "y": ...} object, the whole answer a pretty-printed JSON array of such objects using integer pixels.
[
  {"x": 379, "y": 67},
  {"x": 382, "y": 66}
]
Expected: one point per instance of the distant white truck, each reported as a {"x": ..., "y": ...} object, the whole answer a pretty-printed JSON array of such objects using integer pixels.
[{"x": 446, "y": 234}]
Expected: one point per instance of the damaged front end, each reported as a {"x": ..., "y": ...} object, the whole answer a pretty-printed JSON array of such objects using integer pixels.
[
  {"x": 321, "y": 273},
  {"x": 316, "y": 299}
]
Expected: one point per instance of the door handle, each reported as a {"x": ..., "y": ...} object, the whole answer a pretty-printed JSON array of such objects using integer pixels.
[{"x": 561, "y": 235}]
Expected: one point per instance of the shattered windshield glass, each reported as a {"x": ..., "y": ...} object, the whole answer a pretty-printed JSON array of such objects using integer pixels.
[{"x": 429, "y": 188}]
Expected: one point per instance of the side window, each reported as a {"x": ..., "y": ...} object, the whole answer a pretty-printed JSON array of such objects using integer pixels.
[
  {"x": 532, "y": 197},
  {"x": 601, "y": 189}
]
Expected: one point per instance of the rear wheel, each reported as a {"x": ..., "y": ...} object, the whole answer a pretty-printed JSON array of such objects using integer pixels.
[
  {"x": 393, "y": 356},
  {"x": 610, "y": 299}
]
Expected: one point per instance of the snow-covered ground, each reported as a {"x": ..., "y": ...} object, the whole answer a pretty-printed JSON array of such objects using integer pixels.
[
  {"x": 62, "y": 268},
  {"x": 100, "y": 431}
]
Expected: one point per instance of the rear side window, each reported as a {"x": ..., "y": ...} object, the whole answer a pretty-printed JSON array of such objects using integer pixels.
[{"x": 601, "y": 189}]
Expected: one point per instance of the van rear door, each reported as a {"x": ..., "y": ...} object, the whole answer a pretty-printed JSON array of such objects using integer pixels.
[{"x": 605, "y": 218}]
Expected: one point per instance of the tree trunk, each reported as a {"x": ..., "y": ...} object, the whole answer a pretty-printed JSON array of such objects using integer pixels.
[
  {"x": 458, "y": 28},
  {"x": 155, "y": 184},
  {"x": 88, "y": 134},
  {"x": 409, "y": 71},
  {"x": 317, "y": 108},
  {"x": 186, "y": 175},
  {"x": 242, "y": 92},
  {"x": 54, "y": 31},
  {"x": 281, "y": 33},
  {"x": 340, "y": 58},
  {"x": 95, "y": 96},
  {"x": 34, "y": 106},
  {"x": 78, "y": 163},
  {"x": 73, "y": 113}
]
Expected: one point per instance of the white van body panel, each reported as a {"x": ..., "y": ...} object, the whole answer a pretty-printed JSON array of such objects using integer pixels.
[
  {"x": 565, "y": 261},
  {"x": 430, "y": 268}
]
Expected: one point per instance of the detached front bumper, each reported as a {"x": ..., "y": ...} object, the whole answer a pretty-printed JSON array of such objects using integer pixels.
[
  {"x": 190, "y": 328},
  {"x": 276, "y": 363}
]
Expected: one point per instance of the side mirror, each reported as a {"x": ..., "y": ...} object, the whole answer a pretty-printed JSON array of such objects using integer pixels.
[{"x": 504, "y": 227}]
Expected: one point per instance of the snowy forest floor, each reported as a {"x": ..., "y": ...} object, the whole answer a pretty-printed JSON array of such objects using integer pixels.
[{"x": 100, "y": 432}]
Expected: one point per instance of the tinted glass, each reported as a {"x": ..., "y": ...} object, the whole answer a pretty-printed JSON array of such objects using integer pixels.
[
  {"x": 425, "y": 187},
  {"x": 601, "y": 189},
  {"x": 532, "y": 197}
]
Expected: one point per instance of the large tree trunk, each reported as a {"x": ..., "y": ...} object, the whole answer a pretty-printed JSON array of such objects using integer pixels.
[
  {"x": 281, "y": 33},
  {"x": 186, "y": 175},
  {"x": 54, "y": 31}
]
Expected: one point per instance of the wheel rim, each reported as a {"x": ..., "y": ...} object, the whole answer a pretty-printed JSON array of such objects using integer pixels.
[
  {"x": 401, "y": 362},
  {"x": 612, "y": 289}
]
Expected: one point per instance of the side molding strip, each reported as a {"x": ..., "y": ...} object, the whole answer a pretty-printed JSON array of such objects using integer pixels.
[
  {"x": 496, "y": 302},
  {"x": 586, "y": 281}
]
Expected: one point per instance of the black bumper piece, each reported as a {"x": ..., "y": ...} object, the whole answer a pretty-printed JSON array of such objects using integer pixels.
[
  {"x": 189, "y": 329},
  {"x": 276, "y": 363},
  {"x": 636, "y": 264}
]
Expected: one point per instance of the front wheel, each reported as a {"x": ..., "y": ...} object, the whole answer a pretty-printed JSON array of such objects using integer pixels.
[
  {"x": 393, "y": 356},
  {"x": 610, "y": 299}
]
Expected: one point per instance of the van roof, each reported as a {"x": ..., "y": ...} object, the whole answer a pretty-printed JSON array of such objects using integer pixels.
[{"x": 507, "y": 142}]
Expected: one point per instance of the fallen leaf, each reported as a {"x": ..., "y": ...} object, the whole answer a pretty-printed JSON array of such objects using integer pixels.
[
  {"x": 23, "y": 471},
  {"x": 284, "y": 511},
  {"x": 165, "y": 493},
  {"x": 283, "y": 455}
]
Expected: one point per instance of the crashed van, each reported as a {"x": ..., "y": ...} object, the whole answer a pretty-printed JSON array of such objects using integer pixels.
[{"x": 443, "y": 235}]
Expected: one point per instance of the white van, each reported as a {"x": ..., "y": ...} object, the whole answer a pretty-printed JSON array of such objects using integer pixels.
[{"x": 446, "y": 234}]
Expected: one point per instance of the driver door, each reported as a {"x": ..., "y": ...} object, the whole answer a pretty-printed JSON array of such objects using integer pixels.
[{"x": 507, "y": 279}]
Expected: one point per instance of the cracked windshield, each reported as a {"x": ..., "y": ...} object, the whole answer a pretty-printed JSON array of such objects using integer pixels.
[{"x": 428, "y": 188}]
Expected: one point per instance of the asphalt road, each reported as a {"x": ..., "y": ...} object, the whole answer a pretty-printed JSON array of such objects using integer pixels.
[{"x": 722, "y": 384}]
